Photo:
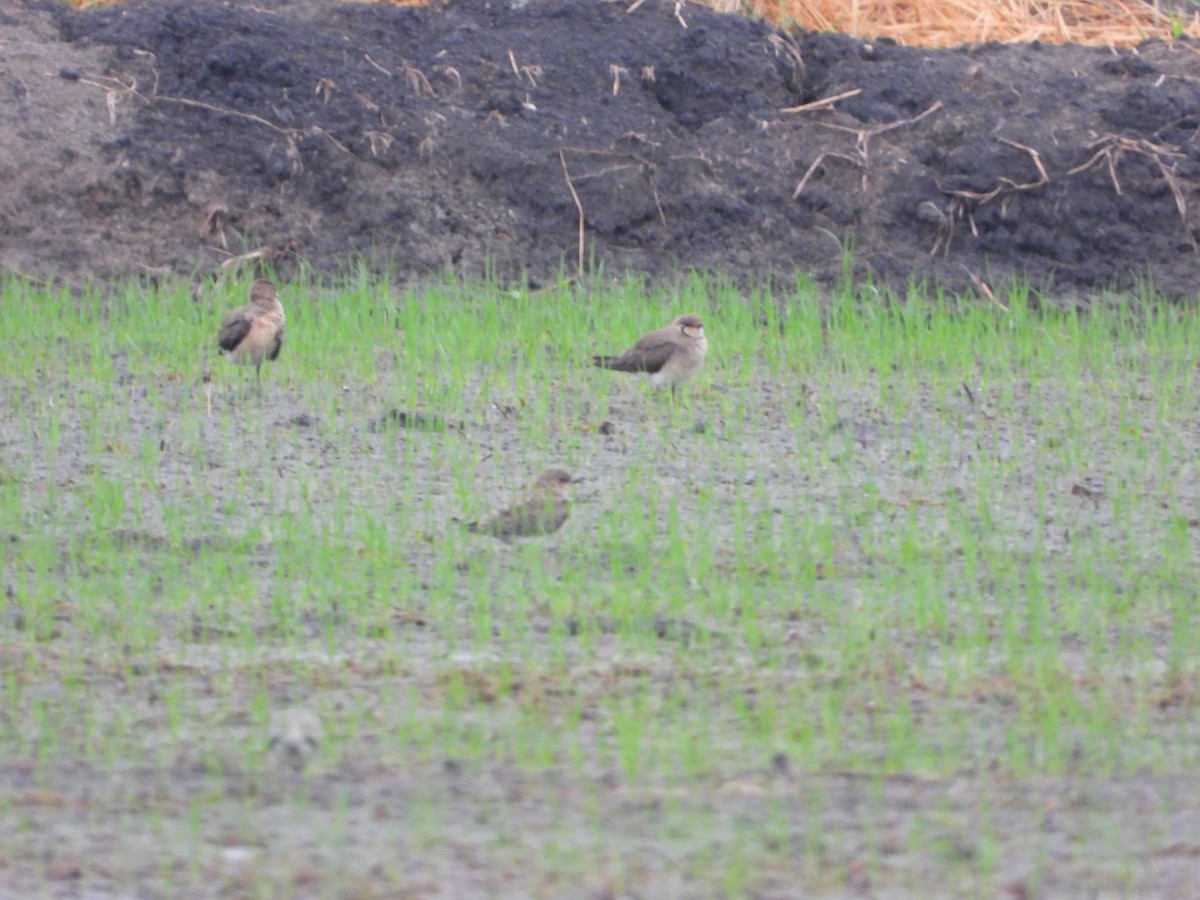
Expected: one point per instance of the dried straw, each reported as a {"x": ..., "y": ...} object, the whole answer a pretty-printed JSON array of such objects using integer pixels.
[{"x": 950, "y": 23}]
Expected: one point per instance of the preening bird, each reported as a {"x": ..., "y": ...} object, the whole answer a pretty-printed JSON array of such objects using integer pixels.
[{"x": 254, "y": 332}]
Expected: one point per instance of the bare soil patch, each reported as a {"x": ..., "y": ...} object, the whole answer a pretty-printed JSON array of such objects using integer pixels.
[{"x": 173, "y": 137}]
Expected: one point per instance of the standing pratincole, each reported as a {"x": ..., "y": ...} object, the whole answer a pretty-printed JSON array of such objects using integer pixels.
[
  {"x": 669, "y": 356},
  {"x": 541, "y": 508},
  {"x": 254, "y": 332}
]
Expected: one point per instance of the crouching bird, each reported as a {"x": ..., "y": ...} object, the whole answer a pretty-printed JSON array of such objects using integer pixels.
[
  {"x": 539, "y": 509},
  {"x": 254, "y": 332},
  {"x": 669, "y": 356}
]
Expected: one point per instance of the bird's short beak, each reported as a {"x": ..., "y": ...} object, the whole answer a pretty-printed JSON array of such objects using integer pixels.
[{"x": 577, "y": 480}]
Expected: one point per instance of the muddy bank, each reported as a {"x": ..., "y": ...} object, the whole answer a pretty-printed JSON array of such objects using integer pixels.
[{"x": 158, "y": 138}]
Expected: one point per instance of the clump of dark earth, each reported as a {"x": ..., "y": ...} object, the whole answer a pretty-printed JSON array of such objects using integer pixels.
[{"x": 171, "y": 137}]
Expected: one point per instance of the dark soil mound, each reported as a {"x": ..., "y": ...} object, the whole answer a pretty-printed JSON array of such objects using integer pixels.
[{"x": 170, "y": 136}]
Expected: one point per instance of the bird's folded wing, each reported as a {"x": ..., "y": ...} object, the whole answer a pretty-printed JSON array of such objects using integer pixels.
[
  {"x": 643, "y": 357},
  {"x": 234, "y": 329},
  {"x": 276, "y": 346}
]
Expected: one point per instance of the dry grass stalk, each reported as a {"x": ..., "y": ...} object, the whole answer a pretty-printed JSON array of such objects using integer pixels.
[
  {"x": 820, "y": 104},
  {"x": 648, "y": 169},
  {"x": 117, "y": 90},
  {"x": 862, "y": 142},
  {"x": 963, "y": 203},
  {"x": 562, "y": 158},
  {"x": 1007, "y": 185},
  {"x": 1113, "y": 146},
  {"x": 817, "y": 162}
]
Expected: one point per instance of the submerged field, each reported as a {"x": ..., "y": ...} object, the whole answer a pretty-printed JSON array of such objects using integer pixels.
[{"x": 897, "y": 597}]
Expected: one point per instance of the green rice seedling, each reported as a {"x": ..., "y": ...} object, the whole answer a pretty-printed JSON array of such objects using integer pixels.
[{"x": 911, "y": 537}]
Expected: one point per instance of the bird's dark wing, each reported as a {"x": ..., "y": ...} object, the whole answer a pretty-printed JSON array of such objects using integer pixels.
[
  {"x": 642, "y": 357},
  {"x": 235, "y": 328},
  {"x": 277, "y": 346}
]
